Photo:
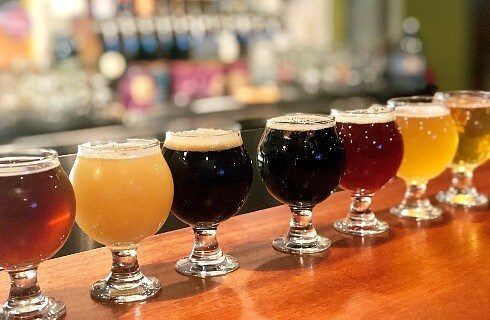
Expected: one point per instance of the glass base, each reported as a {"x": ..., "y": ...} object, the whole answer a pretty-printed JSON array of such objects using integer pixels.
[
  {"x": 361, "y": 228},
  {"x": 225, "y": 265},
  {"x": 467, "y": 200},
  {"x": 428, "y": 212},
  {"x": 141, "y": 289},
  {"x": 290, "y": 245},
  {"x": 50, "y": 309}
]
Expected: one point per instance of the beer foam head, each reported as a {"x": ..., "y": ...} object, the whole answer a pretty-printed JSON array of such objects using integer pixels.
[
  {"x": 129, "y": 149},
  {"x": 14, "y": 161},
  {"x": 301, "y": 122},
  {"x": 203, "y": 140},
  {"x": 374, "y": 114},
  {"x": 421, "y": 111}
]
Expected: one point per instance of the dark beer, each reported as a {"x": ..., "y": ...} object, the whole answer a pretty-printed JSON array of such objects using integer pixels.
[
  {"x": 301, "y": 163},
  {"x": 373, "y": 152},
  {"x": 37, "y": 209},
  {"x": 212, "y": 175}
]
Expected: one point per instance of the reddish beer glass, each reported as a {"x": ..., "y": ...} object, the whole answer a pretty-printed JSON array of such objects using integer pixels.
[
  {"x": 37, "y": 212},
  {"x": 373, "y": 153}
]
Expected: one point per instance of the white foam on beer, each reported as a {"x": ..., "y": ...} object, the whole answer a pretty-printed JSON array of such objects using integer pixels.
[
  {"x": 132, "y": 148},
  {"x": 374, "y": 114},
  {"x": 23, "y": 165},
  {"x": 203, "y": 140},
  {"x": 421, "y": 111},
  {"x": 300, "y": 122}
]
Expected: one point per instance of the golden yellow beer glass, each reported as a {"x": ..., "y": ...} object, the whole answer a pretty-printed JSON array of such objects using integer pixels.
[
  {"x": 471, "y": 112},
  {"x": 124, "y": 193},
  {"x": 430, "y": 140}
]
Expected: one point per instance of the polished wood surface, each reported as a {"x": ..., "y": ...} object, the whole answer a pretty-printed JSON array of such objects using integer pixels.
[{"x": 434, "y": 270}]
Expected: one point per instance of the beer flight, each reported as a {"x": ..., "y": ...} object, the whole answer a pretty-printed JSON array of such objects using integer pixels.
[{"x": 122, "y": 192}]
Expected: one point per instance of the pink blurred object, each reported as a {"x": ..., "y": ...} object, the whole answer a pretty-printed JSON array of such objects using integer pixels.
[{"x": 137, "y": 89}]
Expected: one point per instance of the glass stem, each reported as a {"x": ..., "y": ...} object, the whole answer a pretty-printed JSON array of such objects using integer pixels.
[
  {"x": 462, "y": 180},
  {"x": 415, "y": 195},
  {"x": 206, "y": 249},
  {"x": 24, "y": 291},
  {"x": 301, "y": 226},
  {"x": 360, "y": 209},
  {"x": 125, "y": 267}
]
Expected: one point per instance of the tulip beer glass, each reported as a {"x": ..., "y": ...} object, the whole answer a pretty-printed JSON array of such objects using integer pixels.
[
  {"x": 124, "y": 192},
  {"x": 37, "y": 212},
  {"x": 471, "y": 112},
  {"x": 213, "y": 175},
  {"x": 373, "y": 153},
  {"x": 301, "y": 160},
  {"x": 430, "y": 140}
]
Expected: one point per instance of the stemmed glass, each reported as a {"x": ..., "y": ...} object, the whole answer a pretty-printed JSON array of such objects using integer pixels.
[
  {"x": 373, "y": 153},
  {"x": 301, "y": 160},
  {"x": 430, "y": 140},
  {"x": 37, "y": 212},
  {"x": 213, "y": 178},
  {"x": 471, "y": 112},
  {"x": 124, "y": 192}
]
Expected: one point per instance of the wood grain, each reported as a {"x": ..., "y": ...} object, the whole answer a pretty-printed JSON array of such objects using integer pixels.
[{"x": 435, "y": 270}]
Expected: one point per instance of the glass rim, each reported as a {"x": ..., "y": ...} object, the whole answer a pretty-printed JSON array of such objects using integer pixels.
[
  {"x": 326, "y": 119},
  {"x": 455, "y": 93},
  {"x": 186, "y": 133},
  {"x": 358, "y": 112},
  {"x": 42, "y": 155},
  {"x": 411, "y": 101},
  {"x": 92, "y": 145}
]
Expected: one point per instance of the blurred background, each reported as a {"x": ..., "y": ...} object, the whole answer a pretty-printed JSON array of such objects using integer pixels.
[{"x": 73, "y": 71}]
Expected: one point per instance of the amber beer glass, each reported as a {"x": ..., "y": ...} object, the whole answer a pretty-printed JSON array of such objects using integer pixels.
[
  {"x": 301, "y": 160},
  {"x": 471, "y": 112},
  {"x": 430, "y": 141},
  {"x": 37, "y": 212},
  {"x": 213, "y": 176},
  {"x": 373, "y": 153},
  {"x": 124, "y": 192}
]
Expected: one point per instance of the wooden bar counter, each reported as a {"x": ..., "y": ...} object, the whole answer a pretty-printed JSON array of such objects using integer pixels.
[{"x": 434, "y": 270}]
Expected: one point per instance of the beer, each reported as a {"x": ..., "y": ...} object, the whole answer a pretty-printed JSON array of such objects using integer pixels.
[
  {"x": 301, "y": 160},
  {"x": 37, "y": 210},
  {"x": 124, "y": 192},
  {"x": 373, "y": 153},
  {"x": 373, "y": 148},
  {"x": 471, "y": 112},
  {"x": 472, "y": 117},
  {"x": 430, "y": 139},
  {"x": 214, "y": 175},
  {"x": 300, "y": 164}
]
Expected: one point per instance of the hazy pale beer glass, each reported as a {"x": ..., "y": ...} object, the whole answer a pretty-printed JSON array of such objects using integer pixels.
[
  {"x": 471, "y": 112},
  {"x": 213, "y": 176},
  {"x": 301, "y": 160},
  {"x": 373, "y": 153},
  {"x": 430, "y": 141},
  {"x": 37, "y": 212},
  {"x": 124, "y": 192}
]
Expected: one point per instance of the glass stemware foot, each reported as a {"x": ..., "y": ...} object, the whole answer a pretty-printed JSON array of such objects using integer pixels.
[
  {"x": 302, "y": 237},
  {"x": 415, "y": 205},
  {"x": 26, "y": 301},
  {"x": 206, "y": 258},
  {"x": 125, "y": 283}
]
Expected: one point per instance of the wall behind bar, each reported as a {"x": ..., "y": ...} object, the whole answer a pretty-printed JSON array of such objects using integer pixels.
[{"x": 446, "y": 35}]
